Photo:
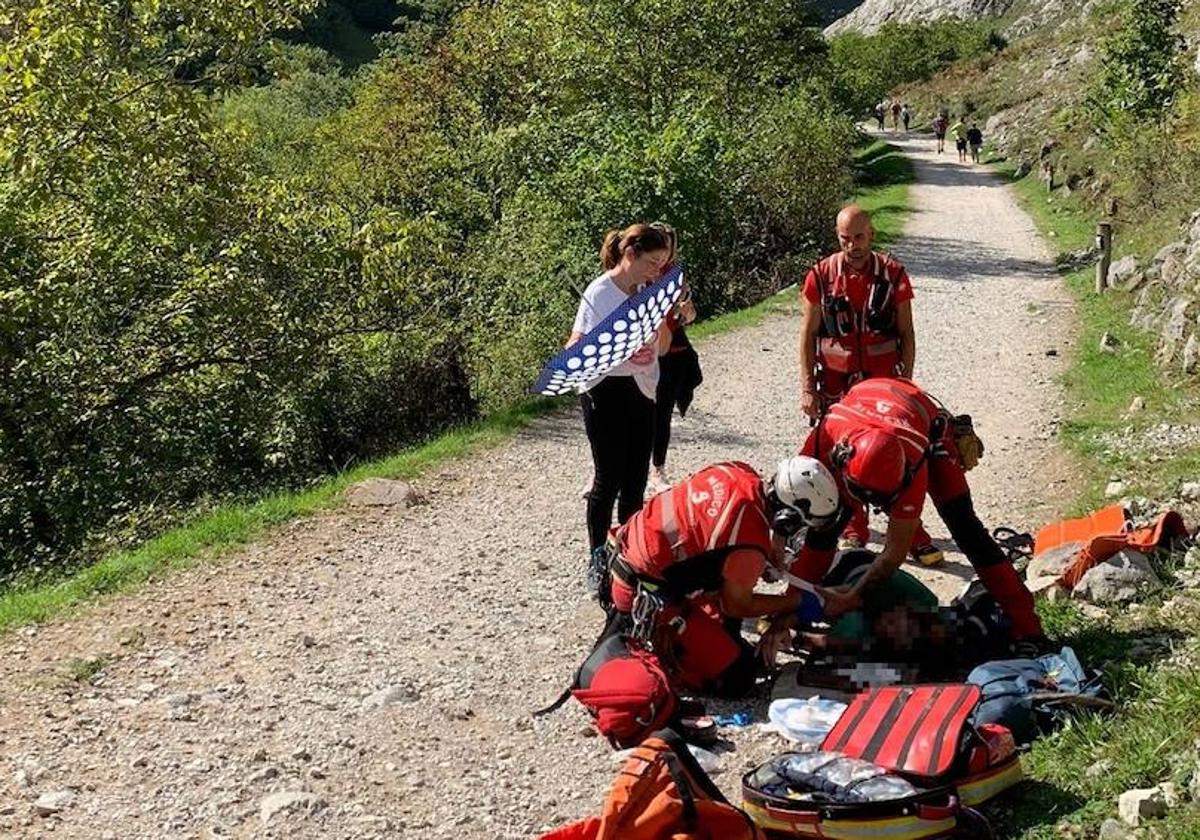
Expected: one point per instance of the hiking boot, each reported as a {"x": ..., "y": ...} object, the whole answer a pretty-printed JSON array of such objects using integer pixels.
[
  {"x": 597, "y": 571},
  {"x": 927, "y": 555}
]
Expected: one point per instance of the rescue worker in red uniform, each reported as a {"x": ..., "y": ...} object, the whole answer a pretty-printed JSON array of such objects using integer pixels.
[
  {"x": 888, "y": 444},
  {"x": 856, "y": 323},
  {"x": 683, "y": 569}
]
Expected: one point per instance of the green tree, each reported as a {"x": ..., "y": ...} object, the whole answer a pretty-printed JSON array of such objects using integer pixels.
[{"x": 1142, "y": 66}]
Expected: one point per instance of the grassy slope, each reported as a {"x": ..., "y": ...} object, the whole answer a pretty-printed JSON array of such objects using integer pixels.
[
  {"x": 1148, "y": 652},
  {"x": 884, "y": 174},
  {"x": 1150, "y": 739}
]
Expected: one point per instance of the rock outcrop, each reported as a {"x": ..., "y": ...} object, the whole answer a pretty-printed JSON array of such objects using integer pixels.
[
  {"x": 1168, "y": 301},
  {"x": 873, "y": 14}
]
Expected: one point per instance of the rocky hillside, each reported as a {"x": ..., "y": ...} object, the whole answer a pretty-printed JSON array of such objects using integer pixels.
[
  {"x": 873, "y": 14},
  {"x": 1168, "y": 298}
]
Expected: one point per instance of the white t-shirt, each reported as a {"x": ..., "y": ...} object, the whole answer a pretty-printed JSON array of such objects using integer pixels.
[{"x": 600, "y": 299}]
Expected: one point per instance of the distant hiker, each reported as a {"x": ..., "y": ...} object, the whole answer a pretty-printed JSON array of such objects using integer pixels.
[
  {"x": 679, "y": 376},
  {"x": 975, "y": 141},
  {"x": 618, "y": 408},
  {"x": 856, "y": 322},
  {"x": 880, "y": 111},
  {"x": 905, "y": 116},
  {"x": 684, "y": 568},
  {"x": 896, "y": 116},
  {"x": 888, "y": 443},
  {"x": 939, "y": 131},
  {"x": 959, "y": 132}
]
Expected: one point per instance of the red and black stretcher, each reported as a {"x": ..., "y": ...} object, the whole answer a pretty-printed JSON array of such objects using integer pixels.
[{"x": 922, "y": 733}]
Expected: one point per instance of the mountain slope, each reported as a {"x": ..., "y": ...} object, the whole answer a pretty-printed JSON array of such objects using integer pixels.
[{"x": 873, "y": 14}]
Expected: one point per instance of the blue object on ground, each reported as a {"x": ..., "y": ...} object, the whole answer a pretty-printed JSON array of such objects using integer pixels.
[{"x": 742, "y": 717}]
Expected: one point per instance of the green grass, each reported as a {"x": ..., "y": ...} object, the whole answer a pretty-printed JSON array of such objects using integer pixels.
[
  {"x": 1150, "y": 739},
  {"x": 82, "y": 670},
  {"x": 884, "y": 175}
]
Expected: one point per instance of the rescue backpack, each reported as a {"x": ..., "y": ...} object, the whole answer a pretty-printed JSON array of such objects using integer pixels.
[
  {"x": 662, "y": 793},
  {"x": 624, "y": 688},
  {"x": 931, "y": 768}
]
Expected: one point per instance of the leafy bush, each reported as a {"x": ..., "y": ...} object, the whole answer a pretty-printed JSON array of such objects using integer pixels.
[
  {"x": 1142, "y": 66},
  {"x": 228, "y": 263}
]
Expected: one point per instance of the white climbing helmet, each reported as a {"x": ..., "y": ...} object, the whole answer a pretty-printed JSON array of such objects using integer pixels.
[{"x": 805, "y": 485}]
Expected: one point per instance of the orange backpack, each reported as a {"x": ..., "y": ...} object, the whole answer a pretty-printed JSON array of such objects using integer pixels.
[{"x": 662, "y": 794}]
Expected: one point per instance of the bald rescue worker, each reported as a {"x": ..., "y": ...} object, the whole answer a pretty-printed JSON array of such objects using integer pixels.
[{"x": 857, "y": 323}]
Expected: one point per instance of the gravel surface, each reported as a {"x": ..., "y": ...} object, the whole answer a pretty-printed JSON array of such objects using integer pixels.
[{"x": 369, "y": 672}]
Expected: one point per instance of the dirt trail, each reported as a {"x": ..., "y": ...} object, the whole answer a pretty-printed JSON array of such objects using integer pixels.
[{"x": 225, "y": 684}]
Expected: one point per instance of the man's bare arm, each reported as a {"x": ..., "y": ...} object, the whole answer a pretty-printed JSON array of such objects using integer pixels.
[{"x": 810, "y": 322}]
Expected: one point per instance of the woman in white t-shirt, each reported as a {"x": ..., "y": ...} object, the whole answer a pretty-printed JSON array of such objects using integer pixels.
[{"x": 618, "y": 409}]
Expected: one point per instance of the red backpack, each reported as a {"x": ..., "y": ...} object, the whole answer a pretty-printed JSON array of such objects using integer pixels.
[{"x": 625, "y": 689}]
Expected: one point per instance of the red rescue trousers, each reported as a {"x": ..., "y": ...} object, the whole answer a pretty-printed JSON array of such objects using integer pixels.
[{"x": 708, "y": 652}]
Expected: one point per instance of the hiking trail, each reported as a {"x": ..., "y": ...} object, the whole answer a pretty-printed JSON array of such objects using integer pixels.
[{"x": 262, "y": 674}]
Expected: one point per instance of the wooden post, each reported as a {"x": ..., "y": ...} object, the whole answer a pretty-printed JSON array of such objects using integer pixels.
[{"x": 1104, "y": 248}]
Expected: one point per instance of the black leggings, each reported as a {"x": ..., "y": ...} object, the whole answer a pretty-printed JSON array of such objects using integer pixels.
[
  {"x": 619, "y": 420},
  {"x": 669, "y": 382}
]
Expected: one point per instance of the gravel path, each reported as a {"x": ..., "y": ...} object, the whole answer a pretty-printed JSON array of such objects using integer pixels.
[{"x": 377, "y": 668}]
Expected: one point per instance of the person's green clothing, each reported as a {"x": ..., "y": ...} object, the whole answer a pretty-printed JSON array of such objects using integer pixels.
[
  {"x": 957, "y": 132},
  {"x": 899, "y": 589}
]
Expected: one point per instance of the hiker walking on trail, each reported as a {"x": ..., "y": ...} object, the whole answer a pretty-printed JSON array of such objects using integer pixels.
[
  {"x": 856, "y": 322},
  {"x": 940, "y": 124},
  {"x": 880, "y": 112},
  {"x": 975, "y": 141},
  {"x": 679, "y": 375},
  {"x": 684, "y": 568},
  {"x": 888, "y": 443},
  {"x": 618, "y": 408},
  {"x": 959, "y": 133},
  {"x": 896, "y": 116},
  {"x": 905, "y": 116}
]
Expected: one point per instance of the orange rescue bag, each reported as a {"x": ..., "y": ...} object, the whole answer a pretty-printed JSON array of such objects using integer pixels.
[{"x": 662, "y": 794}]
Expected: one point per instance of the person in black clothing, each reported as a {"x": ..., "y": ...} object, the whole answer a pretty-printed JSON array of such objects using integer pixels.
[
  {"x": 975, "y": 141},
  {"x": 618, "y": 408},
  {"x": 678, "y": 377}
]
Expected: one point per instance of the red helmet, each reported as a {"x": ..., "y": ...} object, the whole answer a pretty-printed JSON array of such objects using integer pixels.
[{"x": 874, "y": 471}]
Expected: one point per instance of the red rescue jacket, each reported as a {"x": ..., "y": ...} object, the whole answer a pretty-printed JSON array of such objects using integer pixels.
[
  {"x": 858, "y": 340},
  {"x": 683, "y": 536}
]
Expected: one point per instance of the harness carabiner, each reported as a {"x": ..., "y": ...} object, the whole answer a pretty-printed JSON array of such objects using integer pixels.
[{"x": 647, "y": 604}]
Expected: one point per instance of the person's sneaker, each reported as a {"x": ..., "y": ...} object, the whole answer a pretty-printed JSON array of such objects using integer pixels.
[
  {"x": 927, "y": 555},
  {"x": 850, "y": 542},
  {"x": 658, "y": 480}
]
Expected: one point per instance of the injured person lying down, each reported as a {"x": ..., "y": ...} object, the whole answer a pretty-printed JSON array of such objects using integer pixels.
[{"x": 900, "y": 626}]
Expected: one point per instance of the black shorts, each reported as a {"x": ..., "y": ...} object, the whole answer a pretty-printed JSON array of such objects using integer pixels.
[
  {"x": 941, "y": 135},
  {"x": 961, "y": 144}
]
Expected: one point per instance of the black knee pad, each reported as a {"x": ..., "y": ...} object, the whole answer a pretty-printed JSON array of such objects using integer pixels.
[
  {"x": 738, "y": 679},
  {"x": 969, "y": 533}
]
